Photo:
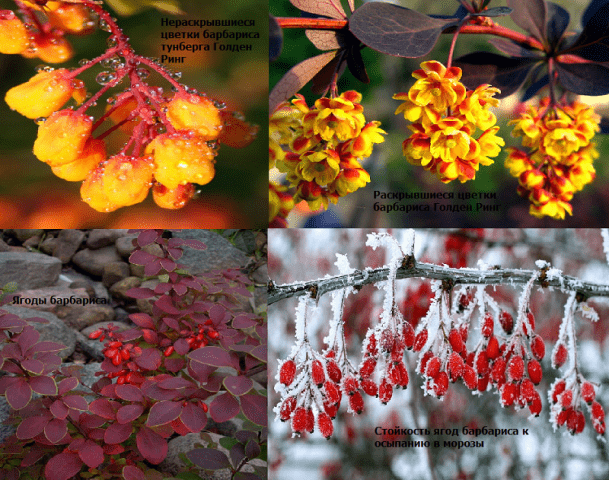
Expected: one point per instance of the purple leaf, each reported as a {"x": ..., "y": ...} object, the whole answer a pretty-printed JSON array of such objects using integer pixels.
[
  {"x": 76, "y": 402},
  {"x": 175, "y": 383},
  {"x": 129, "y": 392},
  {"x": 28, "y": 338},
  {"x": 67, "y": 384},
  {"x": 165, "y": 303},
  {"x": 193, "y": 417},
  {"x": 147, "y": 237},
  {"x": 395, "y": 30},
  {"x": 46, "y": 347},
  {"x": 214, "y": 356},
  {"x": 174, "y": 364},
  {"x": 153, "y": 268},
  {"x": 254, "y": 408},
  {"x": 151, "y": 445},
  {"x": 139, "y": 257},
  {"x": 59, "y": 410},
  {"x": 33, "y": 366},
  {"x": 530, "y": 16},
  {"x": 128, "y": 413},
  {"x": 63, "y": 466},
  {"x": 55, "y": 430},
  {"x": 142, "y": 319},
  {"x": 208, "y": 458},
  {"x": 43, "y": 385},
  {"x": 238, "y": 385},
  {"x": 133, "y": 473},
  {"x": 150, "y": 359},
  {"x": 117, "y": 433},
  {"x": 223, "y": 408},
  {"x": 584, "y": 78},
  {"x": 32, "y": 426},
  {"x": 163, "y": 412},
  {"x": 260, "y": 352},
  {"x": 168, "y": 264},
  {"x": 18, "y": 394},
  {"x": 11, "y": 320},
  {"x": 181, "y": 346},
  {"x": 91, "y": 453},
  {"x": 244, "y": 321},
  {"x": 104, "y": 408},
  {"x": 140, "y": 293}
]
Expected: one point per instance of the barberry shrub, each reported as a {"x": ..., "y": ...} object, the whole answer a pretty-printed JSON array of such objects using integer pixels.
[
  {"x": 191, "y": 359},
  {"x": 155, "y": 135},
  {"x": 450, "y": 108},
  {"x": 471, "y": 345}
]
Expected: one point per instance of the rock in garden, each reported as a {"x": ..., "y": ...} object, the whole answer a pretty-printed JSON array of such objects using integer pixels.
[
  {"x": 93, "y": 261},
  {"x": 220, "y": 253},
  {"x": 99, "y": 238},
  {"x": 29, "y": 270},
  {"x": 67, "y": 244},
  {"x": 113, "y": 272}
]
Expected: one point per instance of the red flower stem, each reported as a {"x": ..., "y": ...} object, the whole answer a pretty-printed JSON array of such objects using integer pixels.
[
  {"x": 77, "y": 71},
  {"x": 101, "y": 119},
  {"x": 454, "y": 40},
  {"x": 120, "y": 75},
  {"x": 329, "y": 24}
]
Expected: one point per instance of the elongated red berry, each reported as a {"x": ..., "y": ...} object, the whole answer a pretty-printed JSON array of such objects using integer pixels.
[
  {"x": 456, "y": 341},
  {"x": 299, "y": 420},
  {"x": 455, "y": 366},
  {"x": 125, "y": 354},
  {"x": 482, "y": 367},
  {"x": 331, "y": 410},
  {"x": 423, "y": 363},
  {"x": 333, "y": 371},
  {"x": 507, "y": 321},
  {"x": 488, "y": 325},
  {"x": 387, "y": 340},
  {"x": 408, "y": 333},
  {"x": 324, "y": 423},
  {"x": 559, "y": 356},
  {"x": 558, "y": 389},
  {"x": 527, "y": 390},
  {"x": 369, "y": 387},
  {"x": 287, "y": 372},
  {"x": 169, "y": 350},
  {"x": 385, "y": 391},
  {"x": 420, "y": 340},
  {"x": 393, "y": 374},
  {"x": 310, "y": 421},
  {"x": 588, "y": 393},
  {"x": 332, "y": 392},
  {"x": 371, "y": 347},
  {"x": 498, "y": 371},
  {"x": 529, "y": 320},
  {"x": 116, "y": 359},
  {"x": 566, "y": 398},
  {"x": 538, "y": 348},
  {"x": 440, "y": 384},
  {"x": 535, "y": 405},
  {"x": 350, "y": 385},
  {"x": 492, "y": 349},
  {"x": 515, "y": 368},
  {"x": 95, "y": 334},
  {"x": 403, "y": 375},
  {"x": 356, "y": 402},
  {"x": 598, "y": 417},
  {"x": 534, "y": 370},
  {"x": 470, "y": 378},
  {"x": 367, "y": 367},
  {"x": 433, "y": 367},
  {"x": 509, "y": 393},
  {"x": 317, "y": 373},
  {"x": 287, "y": 407},
  {"x": 110, "y": 352}
]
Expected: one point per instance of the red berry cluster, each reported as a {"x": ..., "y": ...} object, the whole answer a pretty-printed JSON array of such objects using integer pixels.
[
  {"x": 121, "y": 356},
  {"x": 566, "y": 406}
]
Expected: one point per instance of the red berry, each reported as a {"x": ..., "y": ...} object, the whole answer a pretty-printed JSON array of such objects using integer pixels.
[
  {"x": 535, "y": 405},
  {"x": 333, "y": 371},
  {"x": 409, "y": 335},
  {"x": 507, "y": 321},
  {"x": 125, "y": 354},
  {"x": 317, "y": 373},
  {"x": 469, "y": 377},
  {"x": 515, "y": 369},
  {"x": 597, "y": 411},
  {"x": 527, "y": 390},
  {"x": 566, "y": 398},
  {"x": 121, "y": 380},
  {"x": 213, "y": 334},
  {"x": 385, "y": 391},
  {"x": 455, "y": 366},
  {"x": 463, "y": 330},
  {"x": 287, "y": 372},
  {"x": 538, "y": 348},
  {"x": 403, "y": 375},
  {"x": 393, "y": 374},
  {"x": 117, "y": 360},
  {"x": 433, "y": 367},
  {"x": 573, "y": 421},
  {"x": 420, "y": 340},
  {"x": 324, "y": 423},
  {"x": 387, "y": 340},
  {"x": 299, "y": 420},
  {"x": 483, "y": 383},
  {"x": 492, "y": 349},
  {"x": 588, "y": 393},
  {"x": 95, "y": 334},
  {"x": 498, "y": 371},
  {"x": 488, "y": 325},
  {"x": 423, "y": 363},
  {"x": 169, "y": 350},
  {"x": 562, "y": 417},
  {"x": 482, "y": 367},
  {"x": 440, "y": 384},
  {"x": 535, "y": 373},
  {"x": 371, "y": 348},
  {"x": 509, "y": 393},
  {"x": 350, "y": 385},
  {"x": 456, "y": 342},
  {"x": 356, "y": 402},
  {"x": 310, "y": 421},
  {"x": 110, "y": 352},
  {"x": 463, "y": 301},
  {"x": 367, "y": 367},
  {"x": 558, "y": 389},
  {"x": 206, "y": 408},
  {"x": 332, "y": 392},
  {"x": 331, "y": 410},
  {"x": 397, "y": 354},
  {"x": 369, "y": 387},
  {"x": 330, "y": 354},
  {"x": 115, "y": 344},
  {"x": 529, "y": 320},
  {"x": 559, "y": 356}
]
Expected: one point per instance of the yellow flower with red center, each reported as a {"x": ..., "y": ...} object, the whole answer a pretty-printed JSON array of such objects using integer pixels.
[
  {"x": 62, "y": 137},
  {"x": 335, "y": 119},
  {"x": 560, "y": 140},
  {"x": 554, "y": 207},
  {"x": 44, "y": 93},
  {"x": 490, "y": 146},
  {"x": 437, "y": 86},
  {"x": 14, "y": 37},
  {"x": 320, "y": 167},
  {"x": 349, "y": 180},
  {"x": 475, "y": 107},
  {"x": 450, "y": 139},
  {"x": 281, "y": 202},
  {"x": 361, "y": 146},
  {"x": 518, "y": 162},
  {"x": 415, "y": 113}
]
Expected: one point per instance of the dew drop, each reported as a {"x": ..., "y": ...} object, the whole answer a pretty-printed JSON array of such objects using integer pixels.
[
  {"x": 111, "y": 100},
  {"x": 105, "y": 77},
  {"x": 183, "y": 165},
  {"x": 176, "y": 75},
  {"x": 40, "y": 120},
  {"x": 219, "y": 105},
  {"x": 238, "y": 116},
  {"x": 142, "y": 72},
  {"x": 44, "y": 68},
  {"x": 192, "y": 91},
  {"x": 105, "y": 26},
  {"x": 111, "y": 42},
  {"x": 83, "y": 62}
]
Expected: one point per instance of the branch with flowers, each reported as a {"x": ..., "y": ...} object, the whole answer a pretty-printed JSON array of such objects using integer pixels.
[
  {"x": 174, "y": 131},
  {"x": 319, "y": 149}
]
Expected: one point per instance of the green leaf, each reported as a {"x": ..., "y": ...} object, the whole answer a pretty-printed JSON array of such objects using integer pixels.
[
  {"x": 188, "y": 476},
  {"x": 228, "y": 442},
  {"x": 130, "y": 7}
]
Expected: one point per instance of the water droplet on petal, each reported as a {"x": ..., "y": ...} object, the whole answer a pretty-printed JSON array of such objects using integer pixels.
[
  {"x": 40, "y": 120},
  {"x": 105, "y": 77},
  {"x": 219, "y": 105}
]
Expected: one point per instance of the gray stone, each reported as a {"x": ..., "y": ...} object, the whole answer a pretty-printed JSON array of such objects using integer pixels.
[
  {"x": 48, "y": 245},
  {"x": 93, "y": 261},
  {"x": 4, "y": 247},
  {"x": 136, "y": 270},
  {"x": 113, "y": 272},
  {"x": 145, "y": 304},
  {"x": 5, "y": 430},
  {"x": 119, "y": 289},
  {"x": 29, "y": 270},
  {"x": 124, "y": 245},
  {"x": 54, "y": 331},
  {"x": 32, "y": 242},
  {"x": 79, "y": 316},
  {"x": 220, "y": 253},
  {"x": 67, "y": 244},
  {"x": 23, "y": 234},
  {"x": 93, "y": 348},
  {"x": 99, "y": 238}
]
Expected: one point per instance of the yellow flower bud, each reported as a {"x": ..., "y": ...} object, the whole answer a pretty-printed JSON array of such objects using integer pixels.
[
  {"x": 13, "y": 35},
  {"x": 172, "y": 198},
  {"x": 50, "y": 48},
  {"x": 92, "y": 191},
  {"x": 43, "y": 94},
  {"x": 127, "y": 179},
  {"x": 70, "y": 17},
  {"x": 180, "y": 158},
  {"x": 94, "y": 152},
  {"x": 193, "y": 112},
  {"x": 62, "y": 137}
]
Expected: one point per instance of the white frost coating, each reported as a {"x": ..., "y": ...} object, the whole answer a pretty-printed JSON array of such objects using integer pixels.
[
  {"x": 301, "y": 313},
  {"x": 541, "y": 264},
  {"x": 408, "y": 243},
  {"x": 342, "y": 262},
  {"x": 337, "y": 311},
  {"x": 605, "y": 234}
]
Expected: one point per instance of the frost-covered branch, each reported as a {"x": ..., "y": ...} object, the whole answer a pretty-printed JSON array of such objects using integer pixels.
[{"x": 456, "y": 276}]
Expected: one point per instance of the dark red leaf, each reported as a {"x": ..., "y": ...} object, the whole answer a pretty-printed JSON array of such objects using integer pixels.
[
  {"x": 507, "y": 74},
  {"x": 129, "y": 392},
  {"x": 297, "y": 77},
  {"x": 254, "y": 408},
  {"x": 530, "y": 16},
  {"x": 193, "y": 417},
  {"x": 593, "y": 42},
  {"x": 133, "y": 473},
  {"x": 32, "y": 426},
  {"x": 43, "y": 385},
  {"x": 128, "y": 413},
  {"x": 174, "y": 364},
  {"x": 513, "y": 49},
  {"x": 18, "y": 394},
  {"x": 181, "y": 346},
  {"x": 260, "y": 352},
  {"x": 175, "y": 383},
  {"x": 118, "y": 433},
  {"x": 46, "y": 347},
  {"x": 168, "y": 264},
  {"x": 150, "y": 359},
  {"x": 28, "y": 338},
  {"x": 356, "y": 65},
  {"x": 147, "y": 237},
  {"x": 176, "y": 253},
  {"x": 323, "y": 39},
  {"x": 140, "y": 293},
  {"x": 103, "y": 408},
  {"x": 171, "y": 323},
  {"x": 238, "y": 385},
  {"x": 244, "y": 321},
  {"x": 584, "y": 78},
  {"x": 211, "y": 356},
  {"x": 395, "y": 30},
  {"x": 113, "y": 449},
  {"x": 153, "y": 268},
  {"x": 223, "y": 408},
  {"x": 557, "y": 23},
  {"x": 91, "y": 453},
  {"x": 76, "y": 402},
  {"x": 162, "y": 288},
  {"x": 6, "y": 382},
  {"x": 165, "y": 303},
  {"x": 139, "y": 257},
  {"x": 325, "y": 8},
  {"x": 59, "y": 410},
  {"x": 151, "y": 445},
  {"x": 208, "y": 458},
  {"x": 91, "y": 421},
  {"x": 142, "y": 319},
  {"x": 33, "y": 366},
  {"x": 163, "y": 412},
  {"x": 11, "y": 320},
  {"x": 36, "y": 453},
  {"x": 55, "y": 430},
  {"x": 196, "y": 244},
  {"x": 252, "y": 449},
  {"x": 237, "y": 453},
  {"x": 63, "y": 466},
  {"x": 67, "y": 384}
]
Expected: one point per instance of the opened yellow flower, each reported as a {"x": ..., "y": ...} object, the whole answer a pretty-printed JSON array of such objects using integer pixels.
[
  {"x": 361, "y": 146},
  {"x": 62, "y": 137},
  {"x": 451, "y": 139},
  {"x": 350, "y": 179},
  {"x": 321, "y": 167},
  {"x": 554, "y": 208},
  {"x": 437, "y": 86},
  {"x": 280, "y": 201},
  {"x": 475, "y": 107},
  {"x": 336, "y": 119},
  {"x": 44, "y": 93},
  {"x": 518, "y": 162}
]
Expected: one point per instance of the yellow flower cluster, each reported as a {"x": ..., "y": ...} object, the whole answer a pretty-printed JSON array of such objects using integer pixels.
[
  {"x": 560, "y": 156},
  {"x": 445, "y": 117},
  {"x": 325, "y": 144}
]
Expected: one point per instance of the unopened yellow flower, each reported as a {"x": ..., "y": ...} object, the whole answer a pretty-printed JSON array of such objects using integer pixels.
[
  {"x": 70, "y": 17},
  {"x": 194, "y": 112},
  {"x": 336, "y": 119},
  {"x": 94, "y": 152},
  {"x": 320, "y": 167},
  {"x": 180, "y": 158},
  {"x": 172, "y": 198},
  {"x": 62, "y": 137},
  {"x": 276, "y": 153},
  {"x": 361, "y": 146},
  {"x": 14, "y": 37},
  {"x": 43, "y": 94},
  {"x": 531, "y": 179},
  {"x": 127, "y": 179},
  {"x": 92, "y": 192},
  {"x": 50, "y": 48},
  {"x": 437, "y": 86}
]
